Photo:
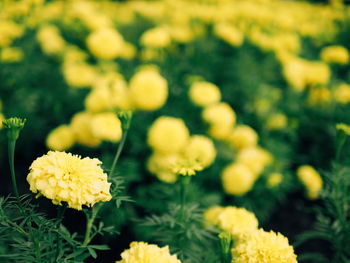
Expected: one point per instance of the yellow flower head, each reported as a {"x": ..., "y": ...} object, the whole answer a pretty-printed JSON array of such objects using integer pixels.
[
  {"x": 229, "y": 34},
  {"x": 234, "y": 220},
  {"x": 162, "y": 166},
  {"x": 274, "y": 180},
  {"x": 277, "y": 121},
  {"x": 157, "y": 37},
  {"x": 168, "y": 135},
  {"x": 79, "y": 75},
  {"x": 63, "y": 177},
  {"x": 311, "y": 180},
  {"x": 204, "y": 93},
  {"x": 219, "y": 115},
  {"x": 50, "y": 40},
  {"x": 201, "y": 149},
  {"x": 243, "y": 136},
  {"x": 141, "y": 252},
  {"x": 335, "y": 54},
  {"x": 106, "y": 126},
  {"x": 148, "y": 89},
  {"x": 263, "y": 247},
  {"x": 319, "y": 95},
  {"x": 11, "y": 54},
  {"x": 342, "y": 94},
  {"x": 81, "y": 126},
  {"x": 61, "y": 138},
  {"x": 254, "y": 158},
  {"x": 187, "y": 167},
  {"x": 237, "y": 179},
  {"x": 105, "y": 43}
]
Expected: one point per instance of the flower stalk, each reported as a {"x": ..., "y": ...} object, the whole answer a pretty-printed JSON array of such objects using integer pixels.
[{"x": 225, "y": 247}]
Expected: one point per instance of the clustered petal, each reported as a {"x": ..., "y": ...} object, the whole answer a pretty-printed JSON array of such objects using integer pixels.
[{"x": 64, "y": 177}]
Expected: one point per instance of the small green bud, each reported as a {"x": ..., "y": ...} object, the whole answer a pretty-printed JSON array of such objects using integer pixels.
[
  {"x": 125, "y": 117},
  {"x": 14, "y": 127}
]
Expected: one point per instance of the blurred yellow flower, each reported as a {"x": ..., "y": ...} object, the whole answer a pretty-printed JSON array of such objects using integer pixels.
[
  {"x": 141, "y": 252},
  {"x": 311, "y": 179},
  {"x": 319, "y": 95},
  {"x": 263, "y": 247},
  {"x": 11, "y": 54},
  {"x": 343, "y": 127},
  {"x": 61, "y": 138},
  {"x": 50, "y": 40},
  {"x": 148, "y": 89},
  {"x": 187, "y": 167},
  {"x": 63, "y": 177},
  {"x": 243, "y": 136},
  {"x": 335, "y": 54},
  {"x": 9, "y": 31},
  {"x": 229, "y": 34},
  {"x": 255, "y": 158},
  {"x": 200, "y": 149},
  {"x": 81, "y": 125},
  {"x": 204, "y": 93},
  {"x": 219, "y": 115},
  {"x": 277, "y": 121},
  {"x": 211, "y": 215},
  {"x": 105, "y": 43},
  {"x": 162, "y": 165},
  {"x": 237, "y": 179},
  {"x": 106, "y": 126},
  {"x": 79, "y": 75},
  {"x": 157, "y": 37},
  {"x": 342, "y": 94},
  {"x": 274, "y": 180},
  {"x": 168, "y": 135}
]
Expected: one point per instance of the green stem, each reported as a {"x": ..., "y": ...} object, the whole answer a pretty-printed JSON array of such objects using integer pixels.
[
  {"x": 90, "y": 223},
  {"x": 11, "y": 153},
  {"x": 185, "y": 180},
  {"x": 340, "y": 143},
  {"x": 60, "y": 213}
]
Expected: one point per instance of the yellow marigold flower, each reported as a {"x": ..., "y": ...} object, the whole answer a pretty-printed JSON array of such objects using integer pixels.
[
  {"x": 211, "y": 215},
  {"x": 168, "y": 135},
  {"x": 157, "y": 37},
  {"x": 237, "y": 179},
  {"x": 105, "y": 43},
  {"x": 311, "y": 179},
  {"x": 181, "y": 33},
  {"x": 61, "y": 138},
  {"x": 343, "y": 127},
  {"x": 274, "y": 180},
  {"x": 319, "y": 96},
  {"x": 229, "y": 34},
  {"x": 317, "y": 73},
  {"x": 237, "y": 221},
  {"x": 81, "y": 125},
  {"x": 342, "y": 94},
  {"x": 11, "y": 54},
  {"x": 141, "y": 252},
  {"x": 220, "y": 132},
  {"x": 148, "y": 89},
  {"x": 187, "y": 167},
  {"x": 277, "y": 121},
  {"x": 335, "y": 54},
  {"x": 128, "y": 51},
  {"x": 9, "y": 31},
  {"x": 254, "y": 158},
  {"x": 201, "y": 149},
  {"x": 50, "y": 40},
  {"x": 106, "y": 126},
  {"x": 243, "y": 136},
  {"x": 293, "y": 71},
  {"x": 79, "y": 75},
  {"x": 219, "y": 115},
  {"x": 263, "y": 247},
  {"x": 63, "y": 177},
  {"x": 162, "y": 165},
  {"x": 204, "y": 93}
]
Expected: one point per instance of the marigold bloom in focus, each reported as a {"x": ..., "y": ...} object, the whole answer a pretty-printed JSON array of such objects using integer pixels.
[
  {"x": 237, "y": 179},
  {"x": 168, "y": 135},
  {"x": 148, "y": 89},
  {"x": 105, "y": 43},
  {"x": 61, "y": 138},
  {"x": 263, "y": 247},
  {"x": 311, "y": 179},
  {"x": 63, "y": 177},
  {"x": 141, "y": 252},
  {"x": 204, "y": 93}
]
